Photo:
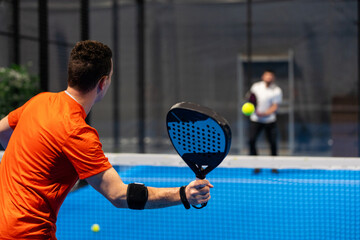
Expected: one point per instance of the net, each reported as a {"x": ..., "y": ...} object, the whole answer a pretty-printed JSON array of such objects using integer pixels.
[{"x": 309, "y": 198}]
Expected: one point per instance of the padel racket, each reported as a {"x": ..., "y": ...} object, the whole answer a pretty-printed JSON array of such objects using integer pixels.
[
  {"x": 199, "y": 135},
  {"x": 251, "y": 97}
]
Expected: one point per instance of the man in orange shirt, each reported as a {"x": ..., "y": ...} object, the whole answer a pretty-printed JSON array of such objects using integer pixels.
[{"x": 49, "y": 147}]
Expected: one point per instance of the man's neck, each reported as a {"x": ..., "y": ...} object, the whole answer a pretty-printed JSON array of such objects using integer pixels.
[
  {"x": 268, "y": 84},
  {"x": 86, "y": 100}
]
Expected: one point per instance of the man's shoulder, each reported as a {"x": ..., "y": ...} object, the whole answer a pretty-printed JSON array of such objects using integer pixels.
[
  {"x": 44, "y": 95},
  {"x": 258, "y": 84},
  {"x": 277, "y": 88}
]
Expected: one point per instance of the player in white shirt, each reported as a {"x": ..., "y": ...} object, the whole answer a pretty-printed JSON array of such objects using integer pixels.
[{"x": 268, "y": 97}]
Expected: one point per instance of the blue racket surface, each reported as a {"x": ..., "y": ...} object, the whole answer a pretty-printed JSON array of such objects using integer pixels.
[{"x": 199, "y": 135}]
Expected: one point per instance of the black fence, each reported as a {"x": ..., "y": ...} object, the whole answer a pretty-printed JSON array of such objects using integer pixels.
[{"x": 209, "y": 52}]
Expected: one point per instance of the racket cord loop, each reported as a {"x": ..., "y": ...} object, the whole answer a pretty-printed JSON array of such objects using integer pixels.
[{"x": 183, "y": 198}]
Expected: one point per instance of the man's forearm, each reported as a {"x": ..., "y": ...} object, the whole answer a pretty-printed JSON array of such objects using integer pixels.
[
  {"x": 163, "y": 197},
  {"x": 5, "y": 132},
  {"x": 196, "y": 192},
  {"x": 271, "y": 110}
]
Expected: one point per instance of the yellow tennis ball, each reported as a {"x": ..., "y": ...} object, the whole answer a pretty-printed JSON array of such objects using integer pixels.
[
  {"x": 248, "y": 109},
  {"x": 95, "y": 227}
]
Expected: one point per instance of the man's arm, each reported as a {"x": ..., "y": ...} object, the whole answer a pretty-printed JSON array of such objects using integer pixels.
[
  {"x": 273, "y": 108},
  {"x": 109, "y": 184},
  {"x": 5, "y": 132}
]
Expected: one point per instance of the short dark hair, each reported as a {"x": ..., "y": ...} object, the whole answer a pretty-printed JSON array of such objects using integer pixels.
[
  {"x": 89, "y": 61},
  {"x": 269, "y": 70}
]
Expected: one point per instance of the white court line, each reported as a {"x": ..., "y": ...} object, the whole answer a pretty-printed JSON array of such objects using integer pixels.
[
  {"x": 233, "y": 161},
  {"x": 282, "y": 181}
]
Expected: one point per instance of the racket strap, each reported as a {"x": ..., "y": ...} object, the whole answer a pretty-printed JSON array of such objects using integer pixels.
[
  {"x": 202, "y": 205},
  {"x": 183, "y": 198}
]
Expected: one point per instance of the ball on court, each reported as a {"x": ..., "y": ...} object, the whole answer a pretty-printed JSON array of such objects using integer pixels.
[
  {"x": 95, "y": 227},
  {"x": 248, "y": 109}
]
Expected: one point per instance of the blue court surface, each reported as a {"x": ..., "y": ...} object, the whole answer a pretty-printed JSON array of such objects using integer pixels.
[{"x": 293, "y": 204}]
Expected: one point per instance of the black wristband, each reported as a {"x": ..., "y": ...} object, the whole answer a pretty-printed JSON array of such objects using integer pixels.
[{"x": 183, "y": 197}]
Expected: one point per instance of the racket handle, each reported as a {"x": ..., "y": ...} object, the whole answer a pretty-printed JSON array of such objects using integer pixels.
[{"x": 203, "y": 204}]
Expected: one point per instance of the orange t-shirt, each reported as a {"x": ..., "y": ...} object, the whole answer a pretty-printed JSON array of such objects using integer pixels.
[{"x": 50, "y": 149}]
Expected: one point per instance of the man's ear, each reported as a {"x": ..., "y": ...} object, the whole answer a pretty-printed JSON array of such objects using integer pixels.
[{"x": 102, "y": 82}]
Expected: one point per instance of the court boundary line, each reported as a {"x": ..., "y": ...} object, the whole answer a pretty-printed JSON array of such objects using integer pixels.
[{"x": 235, "y": 161}]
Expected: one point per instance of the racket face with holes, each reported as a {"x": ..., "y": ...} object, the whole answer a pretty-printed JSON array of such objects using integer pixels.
[
  {"x": 200, "y": 136},
  {"x": 252, "y": 99}
]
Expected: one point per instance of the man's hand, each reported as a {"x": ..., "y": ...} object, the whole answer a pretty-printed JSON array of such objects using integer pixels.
[
  {"x": 198, "y": 191},
  {"x": 268, "y": 112}
]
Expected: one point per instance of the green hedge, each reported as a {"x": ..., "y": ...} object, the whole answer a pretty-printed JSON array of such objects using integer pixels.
[{"x": 17, "y": 86}]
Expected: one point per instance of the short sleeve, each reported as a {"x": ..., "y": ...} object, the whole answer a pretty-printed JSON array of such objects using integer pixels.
[
  {"x": 253, "y": 88},
  {"x": 14, "y": 116},
  {"x": 84, "y": 150},
  {"x": 278, "y": 96}
]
